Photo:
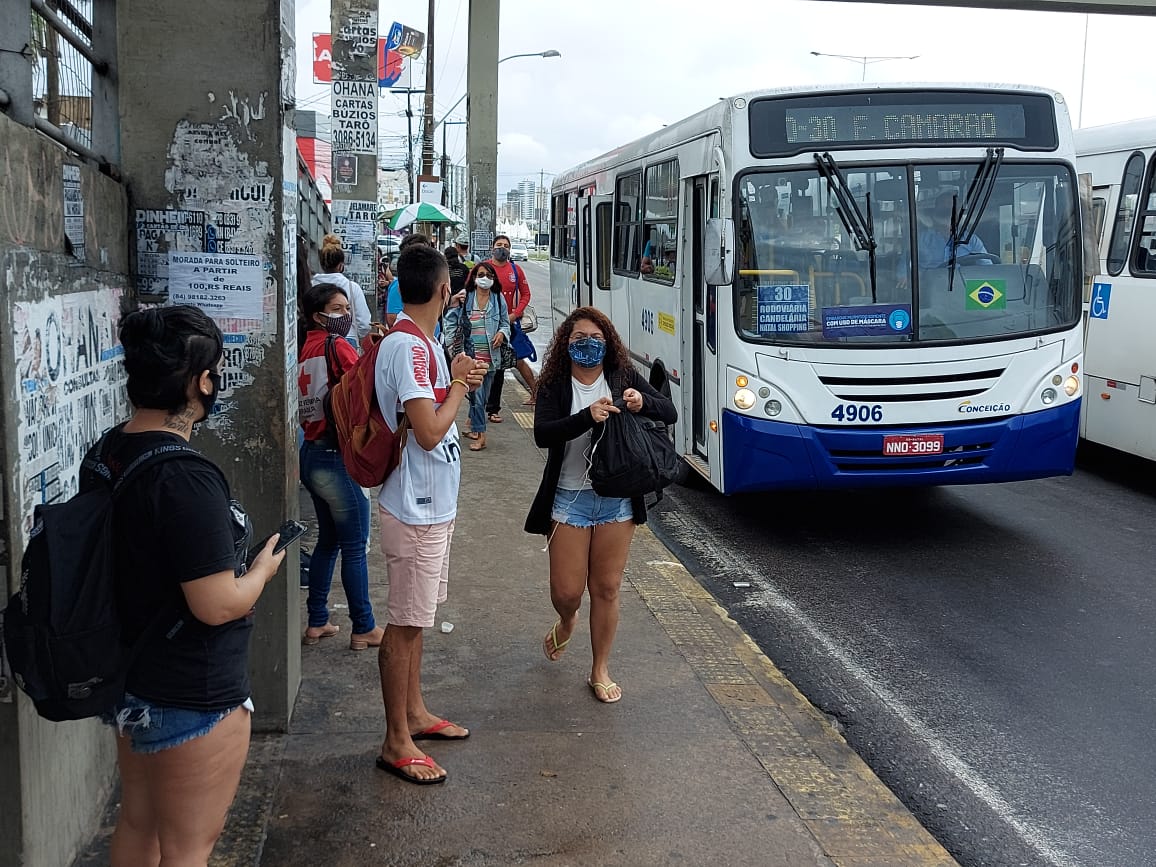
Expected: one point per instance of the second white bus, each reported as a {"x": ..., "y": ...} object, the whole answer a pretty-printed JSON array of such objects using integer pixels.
[{"x": 1120, "y": 409}]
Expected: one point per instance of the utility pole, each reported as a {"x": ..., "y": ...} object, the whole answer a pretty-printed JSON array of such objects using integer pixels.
[
  {"x": 445, "y": 168},
  {"x": 482, "y": 122},
  {"x": 540, "y": 204},
  {"x": 409, "y": 140},
  {"x": 427, "y": 143}
]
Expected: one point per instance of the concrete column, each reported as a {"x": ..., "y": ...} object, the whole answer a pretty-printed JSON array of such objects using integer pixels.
[
  {"x": 207, "y": 157},
  {"x": 355, "y": 98},
  {"x": 15, "y": 70},
  {"x": 482, "y": 124},
  {"x": 105, "y": 101}
]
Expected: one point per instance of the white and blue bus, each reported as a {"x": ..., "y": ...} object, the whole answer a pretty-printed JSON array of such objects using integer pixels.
[
  {"x": 877, "y": 285},
  {"x": 1120, "y": 409}
]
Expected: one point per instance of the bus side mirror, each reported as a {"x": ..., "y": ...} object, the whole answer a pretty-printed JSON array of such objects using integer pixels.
[{"x": 719, "y": 252}]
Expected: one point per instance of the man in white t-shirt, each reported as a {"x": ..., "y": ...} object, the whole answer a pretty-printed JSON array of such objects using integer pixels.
[{"x": 418, "y": 504}]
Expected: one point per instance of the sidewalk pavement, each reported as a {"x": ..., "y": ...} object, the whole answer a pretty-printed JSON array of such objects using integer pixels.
[{"x": 711, "y": 756}]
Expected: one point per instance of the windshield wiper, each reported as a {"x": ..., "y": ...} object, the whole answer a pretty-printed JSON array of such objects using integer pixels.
[
  {"x": 965, "y": 222},
  {"x": 863, "y": 230}
]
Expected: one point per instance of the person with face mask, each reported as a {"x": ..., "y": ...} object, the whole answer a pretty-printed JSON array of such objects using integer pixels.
[
  {"x": 481, "y": 325},
  {"x": 333, "y": 274},
  {"x": 185, "y": 598},
  {"x": 340, "y": 504},
  {"x": 516, "y": 290},
  {"x": 587, "y": 377}
]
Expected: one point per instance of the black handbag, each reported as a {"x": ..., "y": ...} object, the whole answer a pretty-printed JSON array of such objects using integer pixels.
[{"x": 633, "y": 456}]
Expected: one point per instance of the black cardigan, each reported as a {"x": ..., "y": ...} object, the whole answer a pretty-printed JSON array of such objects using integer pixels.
[{"x": 554, "y": 426}]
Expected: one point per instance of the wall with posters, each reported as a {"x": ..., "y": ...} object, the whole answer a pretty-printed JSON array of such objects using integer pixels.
[{"x": 63, "y": 279}]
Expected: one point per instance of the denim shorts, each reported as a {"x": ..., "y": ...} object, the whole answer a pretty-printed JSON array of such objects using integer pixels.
[
  {"x": 586, "y": 509},
  {"x": 154, "y": 727}
]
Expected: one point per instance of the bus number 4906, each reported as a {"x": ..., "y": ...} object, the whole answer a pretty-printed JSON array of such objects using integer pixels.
[{"x": 859, "y": 412}]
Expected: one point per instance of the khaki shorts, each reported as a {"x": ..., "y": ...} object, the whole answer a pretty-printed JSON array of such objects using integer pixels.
[{"x": 418, "y": 559}]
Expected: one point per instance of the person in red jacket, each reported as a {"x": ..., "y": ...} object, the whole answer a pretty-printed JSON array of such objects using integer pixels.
[
  {"x": 516, "y": 291},
  {"x": 341, "y": 505}
]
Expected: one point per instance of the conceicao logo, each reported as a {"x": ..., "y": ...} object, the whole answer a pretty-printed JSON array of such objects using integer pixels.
[{"x": 967, "y": 407}]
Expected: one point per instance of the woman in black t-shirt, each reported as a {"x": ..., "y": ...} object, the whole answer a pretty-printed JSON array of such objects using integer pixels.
[{"x": 183, "y": 589}]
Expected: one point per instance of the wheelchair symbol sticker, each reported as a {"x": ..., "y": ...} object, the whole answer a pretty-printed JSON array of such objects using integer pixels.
[{"x": 1101, "y": 299}]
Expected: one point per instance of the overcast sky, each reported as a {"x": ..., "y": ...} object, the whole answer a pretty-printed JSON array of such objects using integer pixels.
[{"x": 629, "y": 66}]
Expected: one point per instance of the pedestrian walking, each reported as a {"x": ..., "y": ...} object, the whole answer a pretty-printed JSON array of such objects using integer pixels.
[
  {"x": 340, "y": 504},
  {"x": 587, "y": 369},
  {"x": 418, "y": 504},
  {"x": 333, "y": 274},
  {"x": 180, "y": 543},
  {"x": 479, "y": 326},
  {"x": 516, "y": 290}
]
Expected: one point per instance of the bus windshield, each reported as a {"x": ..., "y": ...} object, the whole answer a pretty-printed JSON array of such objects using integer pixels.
[{"x": 804, "y": 274}]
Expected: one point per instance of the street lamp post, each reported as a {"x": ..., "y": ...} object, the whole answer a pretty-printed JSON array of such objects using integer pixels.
[
  {"x": 550, "y": 53},
  {"x": 864, "y": 59}
]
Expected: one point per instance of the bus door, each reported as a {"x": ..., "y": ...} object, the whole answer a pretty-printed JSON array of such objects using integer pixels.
[
  {"x": 701, "y": 312},
  {"x": 586, "y": 253}
]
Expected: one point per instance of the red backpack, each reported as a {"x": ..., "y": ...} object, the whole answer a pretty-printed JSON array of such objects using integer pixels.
[{"x": 370, "y": 450}]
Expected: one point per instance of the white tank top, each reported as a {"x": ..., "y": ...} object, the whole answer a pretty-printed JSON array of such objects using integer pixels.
[{"x": 576, "y": 464}]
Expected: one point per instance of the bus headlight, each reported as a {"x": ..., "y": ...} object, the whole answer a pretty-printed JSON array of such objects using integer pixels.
[
  {"x": 1071, "y": 386},
  {"x": 1048, "y": 396},
  {"x": 772, "y": 408},
  {"x": 744, "y": 398}
]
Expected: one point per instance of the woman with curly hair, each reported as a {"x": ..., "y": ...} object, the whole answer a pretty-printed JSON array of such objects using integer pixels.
[{"x": 586, "y": 371}]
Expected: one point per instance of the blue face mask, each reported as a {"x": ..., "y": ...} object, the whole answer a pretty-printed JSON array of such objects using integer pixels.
[{"x": 588, "y": 351}]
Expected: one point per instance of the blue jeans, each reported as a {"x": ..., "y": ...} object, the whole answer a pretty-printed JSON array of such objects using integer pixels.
[
  {"x": 342, "y": 524},
  {"x": 153, "y": 727},
  {"x": 478, "y": 403}
]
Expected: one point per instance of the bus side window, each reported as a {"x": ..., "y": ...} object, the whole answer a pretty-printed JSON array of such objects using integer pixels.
[
  {"x": 1099, "y": 212},
  {"x": 1144, "y": 254},
  {"x": 1125, "y": 214}
]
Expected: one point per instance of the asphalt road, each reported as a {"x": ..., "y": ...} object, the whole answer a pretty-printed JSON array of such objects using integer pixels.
[{"x": 988, "y": 650}]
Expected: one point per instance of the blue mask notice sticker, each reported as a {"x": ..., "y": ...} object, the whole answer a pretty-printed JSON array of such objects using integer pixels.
[{"x": 872, "y": 320}]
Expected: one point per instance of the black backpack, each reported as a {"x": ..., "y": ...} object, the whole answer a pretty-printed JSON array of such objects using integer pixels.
[
  {"x": 633, "y": 456},
  {"x": 62, "y": 628}
]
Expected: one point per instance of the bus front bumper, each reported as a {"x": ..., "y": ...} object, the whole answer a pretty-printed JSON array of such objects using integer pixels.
[{"x": 766, "y": 455}]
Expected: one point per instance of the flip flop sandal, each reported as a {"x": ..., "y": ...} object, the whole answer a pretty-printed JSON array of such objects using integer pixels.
[
  {"x": 552, "y": 639},
  {"x": 605, "y": 687},
  {"x": 436, "y": 733},
  {"x": 495, "y": 418},
  {"x": 471, "y": 435},
  {"x": 395, "y": 768}
]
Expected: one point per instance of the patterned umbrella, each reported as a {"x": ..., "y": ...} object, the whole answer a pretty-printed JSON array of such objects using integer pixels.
[{"x": 422, "y": 212}]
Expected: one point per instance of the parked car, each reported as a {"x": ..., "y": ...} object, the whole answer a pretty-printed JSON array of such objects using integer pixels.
[
  {"x": 518, "y": 252},
  {"x": 388, "y": 245}
]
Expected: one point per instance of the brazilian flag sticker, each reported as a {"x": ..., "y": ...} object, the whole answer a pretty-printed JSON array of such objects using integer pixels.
[{"x": 986, "y": 294}]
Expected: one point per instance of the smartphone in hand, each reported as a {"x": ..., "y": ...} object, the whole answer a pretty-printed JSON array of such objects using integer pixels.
[{"x": 289, "y": 532}]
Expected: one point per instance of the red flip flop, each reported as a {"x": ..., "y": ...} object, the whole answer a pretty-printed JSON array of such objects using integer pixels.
[
  {"x": 436, "y": 732},
  {"x": 395, "y": 768}
]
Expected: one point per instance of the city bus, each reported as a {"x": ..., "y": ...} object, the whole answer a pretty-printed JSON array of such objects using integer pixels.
[
  {"x": 873, "y": 285},
  {"x": 1120, "y": 363}
]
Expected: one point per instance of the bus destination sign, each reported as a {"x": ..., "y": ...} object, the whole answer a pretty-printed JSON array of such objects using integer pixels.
[
  {"x": 784, "y": 126},
  {"x": 908, "y": 124}
]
